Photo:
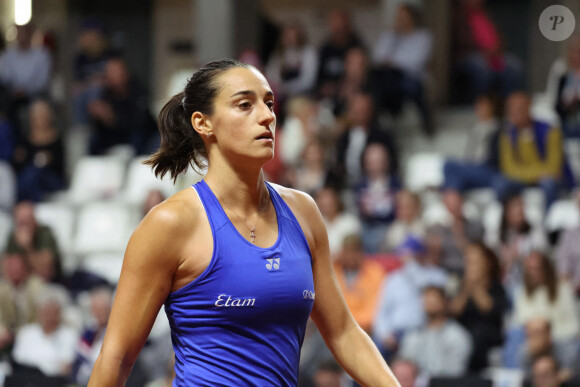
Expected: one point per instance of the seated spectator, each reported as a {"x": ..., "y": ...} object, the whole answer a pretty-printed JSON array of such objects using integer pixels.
[
  {"x": 36, "y": 242},
  {"x": 359, "y": 279},
  {"x": 406, "y": 372},
  {"x": 568, "y": 256},
  {"x": 516, "y": 240},
  {"x": 545, "y": 372},
  {"x": 442, "y": 346},
  {"x": 329, "y": 374},
  {"x": 539, "y": 344},
  {"x": 481, "y": 58},
  {"x": 480, "y": 304},
  {"x": 291, "y": 70},
  {"x": 47, "y": 344},
  {"x": 375, "y": 195},
  {"x": 531, "y": 152},
  {"x": 544, "y": 295},
  {"x": 310, "y": 174},
  {"x": 363, "y": 129},
  {"x": 450, "y": 240},
  {"x": 7, "y": 137},
  {"x": 332, "y": 53},
  {"x": 407, "y": 221},
  {"x": 399, "y": 310},
  {"x": 568, "y": 97},
  {"x": 402, "y": 55},
  {"x": 480, "y": 166},
  {"x": 300, "y": 128},
  {"x": 121, "y": 114},
  {"x": 18, "y": 291},
  {"x": 25, "y": 72},
  {"x": 154, "y": 197},
  {"x": 339, "y": 223},
  {"x": 89, "y": 346},
  {"x": 39, "y": 158},
  {"x": 94, "y": 51}
]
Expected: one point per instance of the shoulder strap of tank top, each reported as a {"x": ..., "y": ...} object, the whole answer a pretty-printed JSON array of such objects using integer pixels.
[
  {"x": 281, "y": 206},
  {"x": 213, "y": 209}
]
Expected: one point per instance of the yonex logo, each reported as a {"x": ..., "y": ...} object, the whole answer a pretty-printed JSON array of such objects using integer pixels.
[
  {"x": 308, "y": 294},
  {"x": 273, "y": 263}
]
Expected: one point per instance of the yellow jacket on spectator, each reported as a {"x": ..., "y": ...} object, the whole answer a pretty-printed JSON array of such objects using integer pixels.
[{"x": 531, "y": 154}]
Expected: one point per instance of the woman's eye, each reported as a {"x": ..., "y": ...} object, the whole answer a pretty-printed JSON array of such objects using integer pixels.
[
  {"x": 270, "y": 104},
  {"x": 245, "y": 105}
]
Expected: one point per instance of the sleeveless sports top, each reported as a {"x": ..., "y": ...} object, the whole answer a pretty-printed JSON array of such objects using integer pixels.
[{"x": 242, "y": 321}]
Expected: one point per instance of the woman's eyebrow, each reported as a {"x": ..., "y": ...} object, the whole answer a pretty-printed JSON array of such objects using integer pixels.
[{"x": 252, "y": 93}]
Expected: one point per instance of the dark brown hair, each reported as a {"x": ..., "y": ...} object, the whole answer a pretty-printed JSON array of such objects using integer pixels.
[
  {"x": 492, "y": 262},
  {"x": 550, "y": 278},
  {"x": 181, "y": 146}
]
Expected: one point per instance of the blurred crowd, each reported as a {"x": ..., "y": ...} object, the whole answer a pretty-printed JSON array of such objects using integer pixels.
[{"x": 463, "y": 295}]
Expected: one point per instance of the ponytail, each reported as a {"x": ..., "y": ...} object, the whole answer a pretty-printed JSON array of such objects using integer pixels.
[{"x": 181, "y": 146}]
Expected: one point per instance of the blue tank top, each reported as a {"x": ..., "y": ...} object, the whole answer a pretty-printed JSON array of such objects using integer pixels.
[{"x": 242, "y": 321}]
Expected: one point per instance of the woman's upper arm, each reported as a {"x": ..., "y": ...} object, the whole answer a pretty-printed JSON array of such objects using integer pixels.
[
  {"x": 151, "y": 259},
  {"x": 330, "y": 312}
]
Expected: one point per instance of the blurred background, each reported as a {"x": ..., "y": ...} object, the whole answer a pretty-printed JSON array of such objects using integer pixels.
[{"x": 440, "y": 140}]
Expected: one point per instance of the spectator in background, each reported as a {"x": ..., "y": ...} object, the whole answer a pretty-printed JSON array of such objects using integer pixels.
[
  {"x": 47, "y": 344},
  {"x": 89, "y": 67},
  {"x": 442, "y": 347},
  {"x": 531, "y": 152},
  {"x": 544, "y": 295},
  {"x": 36, "y": 242},
  {"x": 328, "y": 374},
  {"x": 121, "y": 115},
  {"x": 332, "y": 52},
  {"x": 292, "y": 68},
  {"x": 375, "y": 195},
  {"x": 358, "y": 77},
  {"x": 359, "y": 279},
  {"x": 310, "y": 174},
  {"x": 339, "y": 223},
  {"x": 545, "y": 372},
  {"x": 480, "y": 167},
  {"x": 450, "y": 240},
  {"x": 516, "y": 240},
  {"x": 39, "y": 158},
  {"x": 406, "y": 372},
  {"x": 300, "y": 128},
  {"x": 539, "y": 344},
  {"x": 407, "y": 221},
  {"x": 154, "y": 197},
  {"x": 481, "y": 57},
  {"x": 363, "y": 129},
  {"x": 7, "y": 138},
  {"x": 89, "y": 345},
  {"x": 480, "y": 304},
  {"x": 568, "y": 97},
  {"x": 399, "y": 310},
  {"x": 568, "y": 256},
  {"x": 402, "y": 54},
  {"x": 25, "y": 72},
  {"x": 19, "y": 289}
]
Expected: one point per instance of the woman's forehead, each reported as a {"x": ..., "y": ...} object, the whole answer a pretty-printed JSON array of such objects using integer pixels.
[{"x": 241, "y": 79}]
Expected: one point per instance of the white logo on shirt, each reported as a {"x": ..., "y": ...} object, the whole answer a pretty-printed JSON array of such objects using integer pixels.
[
  {"x": 308, "y": 294},
  {"x": 273, "y": 263},
  {"x": 229, "y": 302}
]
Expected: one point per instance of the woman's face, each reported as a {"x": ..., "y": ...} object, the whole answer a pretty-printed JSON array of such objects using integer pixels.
[
  {"x": 290, "y": 36},
  {"x": 327, "y": 203},
  {"x": 533, "y": 267},
  {"x": 475, "y": 263},
  {"x": 243, "y": 122},
  {"x": 407, "y": 207}
]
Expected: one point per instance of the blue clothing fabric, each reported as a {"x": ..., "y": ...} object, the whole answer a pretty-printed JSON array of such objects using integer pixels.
[{"x": 242, "y": 321}]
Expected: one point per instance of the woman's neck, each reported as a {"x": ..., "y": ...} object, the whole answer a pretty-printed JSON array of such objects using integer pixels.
[{"x": 242, "y": 190}]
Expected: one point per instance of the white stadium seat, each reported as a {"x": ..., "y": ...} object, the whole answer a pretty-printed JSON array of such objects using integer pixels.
[
  {"x": 104, "y": 227},
  {"x": 5, "y": 229},
  {"x": 105, "y": 265},
  {"x": 424, "y": 170},
  {"x": 562, "y": 215},
  {"x": 141, "y": 179},
  {"x": 7, "y": 187},
  {"x": 96, "y": 178},
  {"x": 61, "y": 220}
]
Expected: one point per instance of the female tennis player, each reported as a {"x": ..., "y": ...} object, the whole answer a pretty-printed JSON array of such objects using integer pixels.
[{"x": 239, "y": 263}]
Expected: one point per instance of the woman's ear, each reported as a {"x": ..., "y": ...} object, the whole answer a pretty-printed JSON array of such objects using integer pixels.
[{"x": 201, "y": 124}]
